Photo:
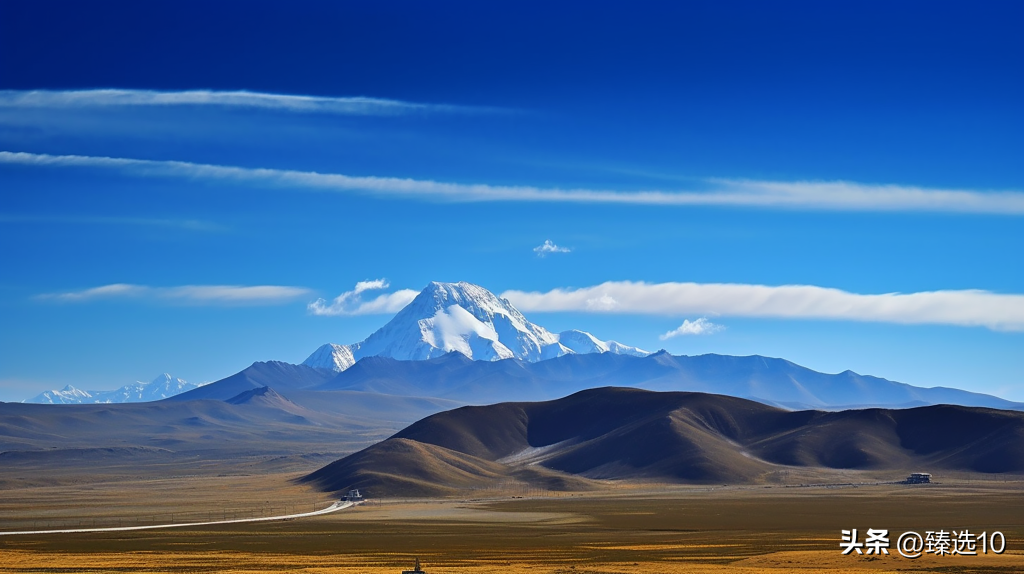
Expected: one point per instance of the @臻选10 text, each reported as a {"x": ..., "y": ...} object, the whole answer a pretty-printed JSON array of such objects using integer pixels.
[{"x": 912, "y": 544}]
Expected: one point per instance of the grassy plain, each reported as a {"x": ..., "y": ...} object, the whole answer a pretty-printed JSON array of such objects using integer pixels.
[{"x": 623, "y": 529}]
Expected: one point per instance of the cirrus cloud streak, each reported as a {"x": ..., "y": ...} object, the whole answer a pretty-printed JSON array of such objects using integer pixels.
[
  {"x": 110, "y": 98},
  {"x": 194, "y": 294},
  {"x": 798, "y": 195},
  {"x": 998, "y": 312},
  {"x": 187, "y": 224}
]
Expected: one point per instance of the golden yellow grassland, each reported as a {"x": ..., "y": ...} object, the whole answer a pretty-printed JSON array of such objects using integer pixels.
[{"x": 733, "y": 530}]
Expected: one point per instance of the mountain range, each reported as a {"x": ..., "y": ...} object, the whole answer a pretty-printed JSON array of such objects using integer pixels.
[
  {"x": 674, "y": 437},
  {"x": 459, "y": 380},
  {"x": 768, "y": 380},
  {"x": 460, "y": 343},
  {"x": 159, "y": 388}
]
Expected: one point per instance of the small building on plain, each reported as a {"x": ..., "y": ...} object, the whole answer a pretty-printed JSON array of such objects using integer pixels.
[
  {"x": 353, "y": 496},
  {"x": 415, "y": 570},
  {"x": 918, "y": 478}
]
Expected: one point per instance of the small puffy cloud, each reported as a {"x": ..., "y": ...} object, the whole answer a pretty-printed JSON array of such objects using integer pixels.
[
  {"x": 549, "y": 247},
  {"x": 699, "y": 327},
  {"x": 193, "y": 294},
  {"x": 370, "y": 286},
  {"x": 352, "y": 302}
]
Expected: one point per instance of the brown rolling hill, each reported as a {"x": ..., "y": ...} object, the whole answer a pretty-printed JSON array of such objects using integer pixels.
[{"x": 680, "y": 437}]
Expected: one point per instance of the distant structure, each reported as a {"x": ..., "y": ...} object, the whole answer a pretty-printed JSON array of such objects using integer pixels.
[
  {"x": 353, "y": 496},
  {"x": 415, "y": 570},
  {"x": 918, "y": 478}
]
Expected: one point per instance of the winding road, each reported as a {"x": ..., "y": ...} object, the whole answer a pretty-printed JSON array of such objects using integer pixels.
[{"x": 339, "y": 505}]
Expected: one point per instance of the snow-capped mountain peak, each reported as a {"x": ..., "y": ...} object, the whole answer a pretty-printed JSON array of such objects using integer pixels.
[
  {"x": 331, "y": 356},
  {"x": 159, "y": 388},
  {"x": 67, "y": 395},
  {"x": 466, "y": 318},
  {"x": 581, "y": 342}
]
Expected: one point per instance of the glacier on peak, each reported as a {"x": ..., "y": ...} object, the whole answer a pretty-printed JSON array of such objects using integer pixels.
[{"x": 466, "y": 318}]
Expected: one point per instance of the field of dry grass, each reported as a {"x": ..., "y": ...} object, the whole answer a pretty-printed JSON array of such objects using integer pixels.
[{"x": 734, "y": 530}]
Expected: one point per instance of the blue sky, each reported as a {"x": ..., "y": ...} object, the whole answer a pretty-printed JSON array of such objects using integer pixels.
[{"x": 160, "y": 210}]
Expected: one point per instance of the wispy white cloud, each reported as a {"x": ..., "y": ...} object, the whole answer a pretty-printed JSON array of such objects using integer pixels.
[
  {"x": 194, "y": 294},
  {"x": 352, "y": 303},
  {"x": 256, "y": 294},
  {"x": 102, "y": 292},
  {"x": 836, "y": 195},
  {"x": 186, "y": 224},
  {"x": 700, "y": 326},
  {"x": 1000, "y": 312},
  {"x": 108, "y": 98},
  {"x": 549, "y": 247}
]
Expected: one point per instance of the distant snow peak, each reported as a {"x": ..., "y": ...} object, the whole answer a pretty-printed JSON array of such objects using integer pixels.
[
  {"x": 67, "y": 395},
  {"x": 620, "y": 349},
  {"x": 468, "y": 319},
  {"x": 581, "y": 342},
  {"x": 162, "y": 387}
]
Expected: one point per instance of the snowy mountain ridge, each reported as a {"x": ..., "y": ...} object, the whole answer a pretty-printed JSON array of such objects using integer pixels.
[
  {"x": 466, "y": 318},
  {"x": 161, "y": 387}
]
